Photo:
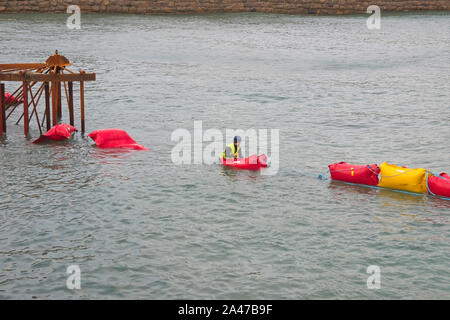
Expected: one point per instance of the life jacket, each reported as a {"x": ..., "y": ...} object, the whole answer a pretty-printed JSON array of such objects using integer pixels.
[{"x": 233, "y": 151}]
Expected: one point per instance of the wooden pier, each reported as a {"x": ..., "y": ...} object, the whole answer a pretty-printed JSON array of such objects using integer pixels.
[{"x": 49, "y": 78}]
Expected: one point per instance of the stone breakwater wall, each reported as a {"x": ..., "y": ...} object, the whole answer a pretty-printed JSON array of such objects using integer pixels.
[{"x": 322, "y": 7}]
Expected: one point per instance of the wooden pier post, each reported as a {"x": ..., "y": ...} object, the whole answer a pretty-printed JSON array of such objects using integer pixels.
[
  {"x": 59, "y": 100},
  {"x": 25, "y": 108},
  {"x": 2, "y": 110},
  {"x": 47, "y": 105},
  {"x": 54, "y": 103},
  {"x": 82, "y": 106},
  {"x": 71, "y": 117}
]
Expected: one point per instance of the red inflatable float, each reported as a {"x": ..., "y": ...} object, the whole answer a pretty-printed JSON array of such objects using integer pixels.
[
  {"x": 9, "y": 98},
  {"x": 114, "y": 138},
  {"x": 439, "y": 185},
  {"x": 58, "y": 132},
  {"x": 343, "y": 171},
  {"x": 251, "y": 163}
]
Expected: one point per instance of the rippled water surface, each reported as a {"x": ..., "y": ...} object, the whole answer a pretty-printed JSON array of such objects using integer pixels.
[{"x": 141, "y": 227}]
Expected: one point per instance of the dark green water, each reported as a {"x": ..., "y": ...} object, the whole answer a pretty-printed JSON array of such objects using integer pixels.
[{"x": 139, "y": 226}]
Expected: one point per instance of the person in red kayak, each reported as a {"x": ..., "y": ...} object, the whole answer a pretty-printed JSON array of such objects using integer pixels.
[{"x": 233, "y": 150}]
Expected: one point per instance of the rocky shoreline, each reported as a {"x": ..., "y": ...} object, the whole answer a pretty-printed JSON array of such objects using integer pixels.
[{"x": 319, "y": 7}]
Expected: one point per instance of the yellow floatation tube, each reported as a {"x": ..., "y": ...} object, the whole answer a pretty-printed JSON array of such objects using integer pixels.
[{"x": 402, "y": 178}]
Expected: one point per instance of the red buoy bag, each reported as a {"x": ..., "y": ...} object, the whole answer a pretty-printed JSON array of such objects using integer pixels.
[
  {"x": 367, "y": 175},
  {"x": 439, "y": 185},
  {"x": 114, "y": 138},
  {"x": 58, "y": 132},
  {"x": 10, "y": 98}
]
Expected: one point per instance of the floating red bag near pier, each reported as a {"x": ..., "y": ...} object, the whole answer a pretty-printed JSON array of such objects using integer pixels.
[
  {"x": 439, "y": 185},
  {"x": 9, "y": 98},
  {"x": 114, "y": 138},
  {"x": 367, "y": 175},
  {"x": 58, "y": 132}
]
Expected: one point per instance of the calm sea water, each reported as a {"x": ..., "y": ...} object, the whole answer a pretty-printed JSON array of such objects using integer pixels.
[{"x": 139, "y": 226}]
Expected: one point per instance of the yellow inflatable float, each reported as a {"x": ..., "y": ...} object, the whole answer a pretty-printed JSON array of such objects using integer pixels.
[{"x": 402, "y": 178}]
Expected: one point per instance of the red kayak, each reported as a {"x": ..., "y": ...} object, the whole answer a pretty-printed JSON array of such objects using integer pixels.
[{"x": 251, "y": 163}]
